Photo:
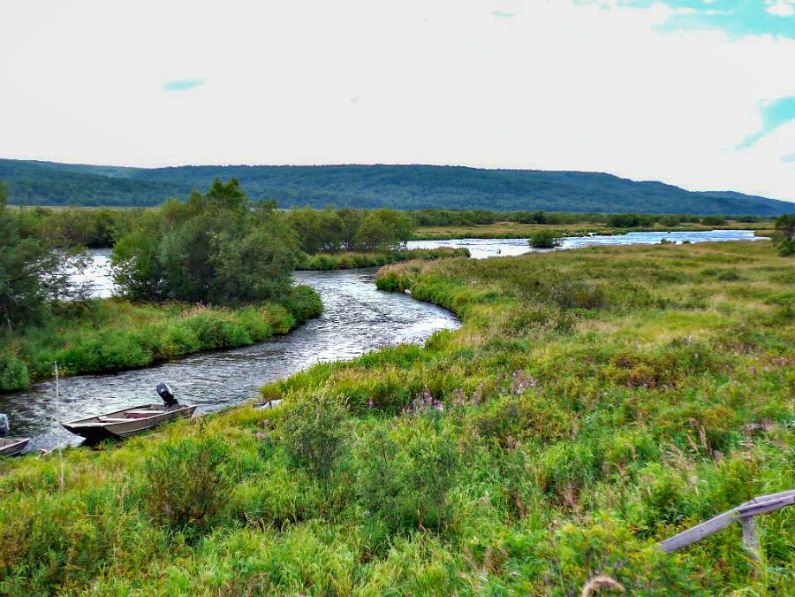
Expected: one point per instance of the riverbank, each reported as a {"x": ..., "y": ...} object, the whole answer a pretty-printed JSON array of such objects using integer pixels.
[
  {"x": 104, "y": 335},
  {"x": 514, "y": 230},
  {"x": 335, "y": 261},
  {"x": 593, "y": 403}
]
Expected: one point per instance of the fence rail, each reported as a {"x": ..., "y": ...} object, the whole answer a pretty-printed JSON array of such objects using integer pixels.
[{"x": 744, "y": 514}]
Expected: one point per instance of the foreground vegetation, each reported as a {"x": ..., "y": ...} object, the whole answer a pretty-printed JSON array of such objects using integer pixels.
[{"x": 593, "y": 403}]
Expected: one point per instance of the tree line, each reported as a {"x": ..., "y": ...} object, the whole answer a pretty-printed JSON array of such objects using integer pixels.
[
  {"x": 217, "y": 247},
  {"x": 331, "y": 230}
]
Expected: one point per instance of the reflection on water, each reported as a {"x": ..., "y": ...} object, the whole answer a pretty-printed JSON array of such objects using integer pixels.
[
  {"x": 97, "y": 276},
  {"x": 481, "y": 248},
  {"x": 357, "y": 318}
]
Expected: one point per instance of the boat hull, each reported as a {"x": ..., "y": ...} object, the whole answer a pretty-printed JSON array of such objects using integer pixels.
[
  {"x": 95, "y": 429},
  {"x": 13, "y": 445}
]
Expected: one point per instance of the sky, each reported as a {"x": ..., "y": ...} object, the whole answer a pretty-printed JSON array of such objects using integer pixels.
[{"x": 698, "y": 93}]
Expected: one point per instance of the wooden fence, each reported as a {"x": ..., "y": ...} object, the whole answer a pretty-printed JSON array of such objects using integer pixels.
[{"x": 744, "y": 514}]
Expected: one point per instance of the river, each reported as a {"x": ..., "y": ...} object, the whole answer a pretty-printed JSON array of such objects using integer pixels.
[
  {"x": 357, "y": 318},
  {"x": 481, "y": 248}
]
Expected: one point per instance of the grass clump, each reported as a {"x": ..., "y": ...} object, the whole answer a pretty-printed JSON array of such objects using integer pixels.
[{"x": 334, "y": 261}]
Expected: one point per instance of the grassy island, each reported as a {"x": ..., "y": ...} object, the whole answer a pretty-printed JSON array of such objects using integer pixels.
[
  {"x": 334, "y": 261},
  {"x": 105, "y": 335},
  {"x": 594, "y": 403}
]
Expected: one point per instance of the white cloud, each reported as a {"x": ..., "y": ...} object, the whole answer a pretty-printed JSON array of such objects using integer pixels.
[
  {"x": 558, "y": 86},
  {"x": 781, "y": 8}
]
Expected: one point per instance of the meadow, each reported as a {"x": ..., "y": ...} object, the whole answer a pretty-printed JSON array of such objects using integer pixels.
[{"x": 593, "y": 403}]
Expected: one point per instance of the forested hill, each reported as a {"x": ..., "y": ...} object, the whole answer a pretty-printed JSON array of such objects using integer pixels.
[{"x": 401, "y": 187}]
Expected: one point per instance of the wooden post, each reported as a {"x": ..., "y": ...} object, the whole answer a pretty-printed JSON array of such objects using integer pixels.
[
  {"x": 58, "y": 407},
  {"x": 751, "y": 537}
]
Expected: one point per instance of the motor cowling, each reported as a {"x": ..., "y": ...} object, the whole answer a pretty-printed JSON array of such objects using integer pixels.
[
  {"x": 4, "y": 426},
  {"x": 166, "y": 394}
]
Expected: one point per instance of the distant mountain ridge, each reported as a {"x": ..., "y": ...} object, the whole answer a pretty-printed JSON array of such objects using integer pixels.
[{"x": 364, "y": 186}]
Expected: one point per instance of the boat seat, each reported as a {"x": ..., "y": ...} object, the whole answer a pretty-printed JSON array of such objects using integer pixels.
[
  {"x": 145, "y": 412},
  {"x": 112, "y": 420}
]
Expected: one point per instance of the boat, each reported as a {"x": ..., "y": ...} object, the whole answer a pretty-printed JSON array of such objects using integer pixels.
[
  {"x": 11, "y": 446},
  {"x": 127, "y": 422}
]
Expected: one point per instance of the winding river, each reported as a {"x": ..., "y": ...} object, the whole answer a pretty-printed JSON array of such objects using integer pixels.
[{"x": 357, "y": 318}]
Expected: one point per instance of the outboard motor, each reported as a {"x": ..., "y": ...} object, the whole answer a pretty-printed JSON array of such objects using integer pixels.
[
  {"x": 167, "y": 395},
  {"x": 4, "y": 427}
]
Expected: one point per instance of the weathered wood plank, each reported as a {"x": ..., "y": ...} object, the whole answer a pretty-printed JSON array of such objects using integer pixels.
[
  {"x": 744, "y": 512},
  {"x": 751, "y": 538},
  {"x": 698, "y": 532}
]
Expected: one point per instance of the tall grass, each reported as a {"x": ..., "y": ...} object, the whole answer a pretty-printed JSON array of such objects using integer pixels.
[
  {"x": 594, "y": 403},
  {"x": 323, "y": 261}
]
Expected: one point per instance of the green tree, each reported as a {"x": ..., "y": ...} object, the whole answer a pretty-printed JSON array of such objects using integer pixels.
[
  {"x": 31, "y": 272},
  {"x": 383, "y": 229},
  {"x": 785, "y": 229},
  {"x": 215, "y": 248},
  {"x": 319, "y": 231},
  {"x": 351, "y": 219}
]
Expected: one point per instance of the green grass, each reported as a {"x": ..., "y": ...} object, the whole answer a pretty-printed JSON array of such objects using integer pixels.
[
  {"x": 593, "y": 403},
  {"x": 113, "y": 334},
  {"x": 325, "y": 261}
]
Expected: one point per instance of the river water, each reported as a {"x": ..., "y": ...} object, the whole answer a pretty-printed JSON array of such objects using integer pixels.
[
  {"x": 481, "y": 248},
  {"x": 357, "y": 318}
]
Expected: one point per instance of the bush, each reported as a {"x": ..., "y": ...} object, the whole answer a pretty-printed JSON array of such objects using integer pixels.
[
  {"x": 186, "y": 485},
  {"x": 404, "y": 475},
  {"x": 607, "y": 547},
  {"x": 56, "y": 543},
  {"x": 303, "y": 303},
  {"x": 786, "y": 248},
  {"x": 13, "y": 373},
  {"x": 313, "y": 432},
  {"x": 544, "y": 239}
]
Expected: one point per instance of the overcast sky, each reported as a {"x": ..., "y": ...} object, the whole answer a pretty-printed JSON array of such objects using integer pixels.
[{"x": 693, "y": 92}]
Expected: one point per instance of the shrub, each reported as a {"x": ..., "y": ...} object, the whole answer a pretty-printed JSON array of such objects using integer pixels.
[
  {"x": 303, "y": 303},
  {"x": 607, "y": 547},
  {"x": 544, "y": 239},
  {"x": 13, "y": 373},
  {"x": 786, "y": 248},
  {"x": 404, "y": 475},
  {"x": 313, "y": 431},
  {"x": 186, "y": 484}
]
